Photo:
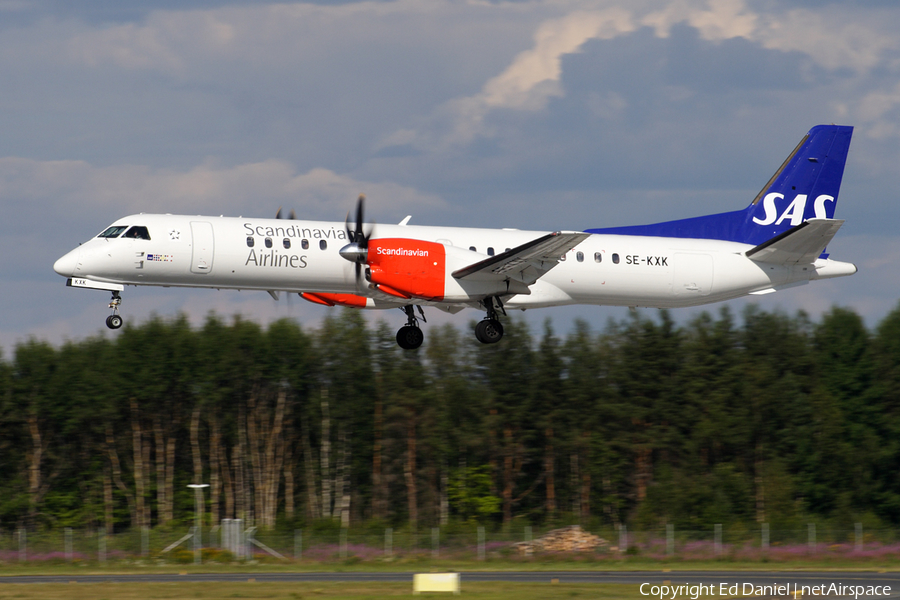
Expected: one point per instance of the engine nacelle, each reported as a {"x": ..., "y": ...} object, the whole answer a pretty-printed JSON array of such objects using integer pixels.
[
  {"x": 408, "y": 268},
  {"x": 327, "y": 299}
]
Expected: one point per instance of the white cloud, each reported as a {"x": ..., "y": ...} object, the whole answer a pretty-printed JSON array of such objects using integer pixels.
[
  {"x": 830, "y": 39},
  {"x": 245, "y": 188},
  {"x": 534, "y": 75},
  {"x": 716, "y": 20}
]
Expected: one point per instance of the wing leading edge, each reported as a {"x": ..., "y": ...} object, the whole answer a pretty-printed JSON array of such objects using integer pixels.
[{"x": 526, "y": 263}]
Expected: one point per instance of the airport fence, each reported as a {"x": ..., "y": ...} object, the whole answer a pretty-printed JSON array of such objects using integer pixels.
[{"x": 232, "y": 541}]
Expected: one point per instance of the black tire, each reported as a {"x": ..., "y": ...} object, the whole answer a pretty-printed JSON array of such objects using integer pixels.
[
  {"x": 113, "y": 321},
  {"x": 409, "y": 337},
  {"x": 489, "y": 331}
]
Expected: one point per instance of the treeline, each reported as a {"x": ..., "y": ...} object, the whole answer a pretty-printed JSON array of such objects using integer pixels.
[{"x": 775, "y": 419}]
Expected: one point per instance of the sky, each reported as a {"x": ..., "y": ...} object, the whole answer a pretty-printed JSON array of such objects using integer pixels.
[{"x": 534, "y": 114}]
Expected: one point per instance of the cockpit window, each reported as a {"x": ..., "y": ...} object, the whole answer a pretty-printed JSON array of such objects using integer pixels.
[
  {"x": 138, "y": 232},
  {"x": 113, "y": 231}
]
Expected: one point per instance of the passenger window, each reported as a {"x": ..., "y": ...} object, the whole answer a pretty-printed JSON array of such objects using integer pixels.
[
  {"x": 615, "y": 258},
  {"x": 323, "y": 245},
  {"x": 562, "y": 258},
  {"x": 287, "y": 244},
  {"x": 598, "y": 257},
  {"x": 268, "y": 242},
  {"x": 113, "y": 232},
  {"x": 507, "y": 250},
  {"x": 137, "y": 232},
  {"x": 490, "y": 250},
  {"x": 472, "y": 248},
  {"x": 579, "y": 256},
  {"x": 304, "y": 244},
  {"x": 250, "y": 241}
]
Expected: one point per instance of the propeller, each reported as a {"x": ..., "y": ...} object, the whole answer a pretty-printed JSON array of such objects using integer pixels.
[
  {"x": 291, "y": 215},
  {"x": 358, "y": 248}
]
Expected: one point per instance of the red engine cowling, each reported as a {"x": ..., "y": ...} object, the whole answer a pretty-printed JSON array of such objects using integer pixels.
[
  {"x": 408, "y": 268},
  {"x": 325, "y": 299}
]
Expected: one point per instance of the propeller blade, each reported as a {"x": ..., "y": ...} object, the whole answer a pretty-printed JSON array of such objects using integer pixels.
[
  {"x": 292, "y": 215},
  {"x": 278, "y": 214},
  {"x": 361, "y": 238}
]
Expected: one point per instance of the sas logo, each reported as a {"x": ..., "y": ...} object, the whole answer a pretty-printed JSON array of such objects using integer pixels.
[{"x": 794, "y": 211}]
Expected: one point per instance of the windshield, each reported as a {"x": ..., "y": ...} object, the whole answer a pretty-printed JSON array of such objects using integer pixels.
[
  {"x": 113, "y": 231},
  {"x": 138, "y": 232}
]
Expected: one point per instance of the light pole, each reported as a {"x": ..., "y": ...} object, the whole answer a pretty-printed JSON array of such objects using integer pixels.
[{"x": 198, "y": 500}]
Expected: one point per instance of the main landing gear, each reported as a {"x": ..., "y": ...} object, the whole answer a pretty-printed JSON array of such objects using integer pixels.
[
  {"x": 490, "y": 330},
  {"x": 410, "y": 336},
  {"x": 114, "y": 321}
]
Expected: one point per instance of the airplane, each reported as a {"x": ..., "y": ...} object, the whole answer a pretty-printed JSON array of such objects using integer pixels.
[{"x": 777, "y": 242}]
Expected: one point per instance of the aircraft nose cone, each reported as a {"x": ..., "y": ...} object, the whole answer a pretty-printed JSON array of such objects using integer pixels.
[{"x": 67, "y": 264}]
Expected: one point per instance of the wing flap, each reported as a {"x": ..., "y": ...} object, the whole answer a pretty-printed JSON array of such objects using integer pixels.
[
  {"x": 802, "y": 244},
  {"x": 526, "y": 263}
]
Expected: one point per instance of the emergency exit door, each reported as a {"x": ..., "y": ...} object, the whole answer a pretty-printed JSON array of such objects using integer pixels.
[{"x": 203, "y": 247}]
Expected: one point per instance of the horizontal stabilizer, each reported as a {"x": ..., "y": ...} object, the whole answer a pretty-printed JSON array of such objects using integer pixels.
[
  {"x": 526, "y": 263},
  {"x": 802, "y": 244}
]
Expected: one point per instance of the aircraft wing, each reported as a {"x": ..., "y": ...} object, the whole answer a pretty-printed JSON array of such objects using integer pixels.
[
  {"x": 802, "y": 244},
  {"x": 526, "y": 263}
]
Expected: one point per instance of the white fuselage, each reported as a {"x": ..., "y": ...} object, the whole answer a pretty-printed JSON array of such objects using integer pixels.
[{"x": 302, "y": 256}]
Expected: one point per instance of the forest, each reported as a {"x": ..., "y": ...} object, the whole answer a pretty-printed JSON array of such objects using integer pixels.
[{"x": 761, "y": 417}]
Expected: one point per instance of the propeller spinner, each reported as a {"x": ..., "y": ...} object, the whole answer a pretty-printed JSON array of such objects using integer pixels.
[{"x": 358, "y": 249}]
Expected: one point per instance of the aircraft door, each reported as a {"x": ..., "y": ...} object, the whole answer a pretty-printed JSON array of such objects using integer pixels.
[
  {"x": 203, "y": 247},
  {"x": 693, "y": 274}
]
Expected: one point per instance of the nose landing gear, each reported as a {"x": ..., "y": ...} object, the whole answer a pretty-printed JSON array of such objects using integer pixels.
[
  {"x": 114, "y": 321},
  {"x": 410, "y": 336}
]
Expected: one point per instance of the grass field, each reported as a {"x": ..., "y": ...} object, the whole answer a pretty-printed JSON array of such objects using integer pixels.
[
  {"x": 821, "y": 563},
  {"x": 293, "y": 591}
]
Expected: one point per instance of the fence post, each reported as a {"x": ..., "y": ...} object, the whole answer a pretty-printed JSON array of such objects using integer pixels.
[
  {"x": 23, "y": 545},
  {"x": 480, "y": 542},
  {"x": 859, "y": 537},
  {"x": 389, "y": 541},
  {"x": 435, "y": 542},
  {"x": 717, "y": 539},
  {"x": 68, "y": 543},
  {"x": 623, "y": 538},
  {"x": 101, "y": 546},
  {"x": 298, "y": 544},
  {"x": 238, "y": 538},
  {"x": 811, "y": 528},
  {"x": 248, "y": 542},
  {"x": 529, "y": 548},
  {"x": 343, "y": 542},
  {"x": 670, "y": 539},
  {"x": 145, "y": 541},
  {"x": 765, "y": 537}
]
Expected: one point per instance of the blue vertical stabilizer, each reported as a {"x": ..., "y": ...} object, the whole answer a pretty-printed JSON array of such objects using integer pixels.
[{"x": 806, "y": 186}]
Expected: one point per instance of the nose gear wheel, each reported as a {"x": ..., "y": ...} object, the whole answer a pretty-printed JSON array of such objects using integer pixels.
[{"x": 114, "y": 321}]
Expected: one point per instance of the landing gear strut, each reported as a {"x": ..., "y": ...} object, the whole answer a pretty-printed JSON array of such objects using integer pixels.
[
  {"x": 490, "y": 330},
  {"x": 410, "y": 336},
  {"x": 114, "y": 321}
]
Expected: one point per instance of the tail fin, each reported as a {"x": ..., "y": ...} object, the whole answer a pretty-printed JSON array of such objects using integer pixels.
[{"x": 806, "y": 186}]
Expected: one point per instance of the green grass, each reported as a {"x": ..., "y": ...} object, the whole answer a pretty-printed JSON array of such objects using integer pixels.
[
  {"x": 296, "y": 591},
  {"x": 428, "y": 565}
]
